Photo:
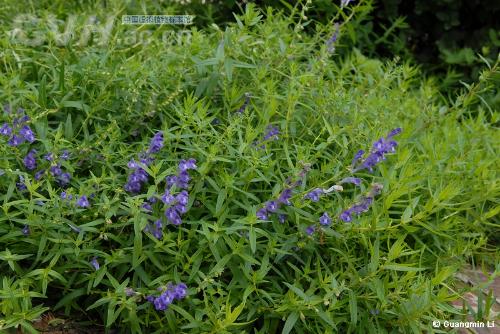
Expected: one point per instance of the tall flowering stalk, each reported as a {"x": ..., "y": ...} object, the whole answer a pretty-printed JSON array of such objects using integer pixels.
[
  {"x": 168, "y": 295},
  {"x": 272, "y": 206},
  {"x": 363, "y": 205},
  {"x": 139, "y": 176},
  {"x": 377, "y": 153}
]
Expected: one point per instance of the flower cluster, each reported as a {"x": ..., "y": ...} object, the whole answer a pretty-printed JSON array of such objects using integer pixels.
[
  {"x": 82, "y": 201},
  {"x": 284, "y": 198},
  {"x": 168, "y": 296},
  {"x": 139, "y": 176},
  {"x": 377, "y": 153},
  {"x": 330, "y": 43},
  {"x": 177, "y": 204},
  {"x": 363, "y": 205},
  {"x": 324, "y": 220},
  {"x": 272, "y": 132},
  {"x": 18, "y": 131}
]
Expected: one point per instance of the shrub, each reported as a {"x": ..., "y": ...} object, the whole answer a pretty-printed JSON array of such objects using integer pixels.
[{"x": 207, "y": 133}]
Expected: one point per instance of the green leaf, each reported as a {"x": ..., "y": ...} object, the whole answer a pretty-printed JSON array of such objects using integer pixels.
[{"x": 290, "y": 322}]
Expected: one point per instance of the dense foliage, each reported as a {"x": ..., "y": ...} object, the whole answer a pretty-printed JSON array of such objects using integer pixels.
[{"x": 215, "y": 183}]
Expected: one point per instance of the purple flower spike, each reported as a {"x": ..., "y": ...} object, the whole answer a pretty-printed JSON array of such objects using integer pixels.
[
  {"x": 83, "y": 202},
  {"x": 282, "y": 218},
  {"x": 27, "y": 133},
  {"x": 314, "y": 194},
  {"x": 30, "y": 160},
  {"x": 95, "y": 264},
  {"x": 262, "y": 214},
  {"x": 310, "y": 229},
  {"x": 156, "y": 143},
  {"x": 272, "y": 131},
  {"x": 325, "y": 220},
  {"x": 5, "y": 130},
  {"x": 377, "y": 153}
]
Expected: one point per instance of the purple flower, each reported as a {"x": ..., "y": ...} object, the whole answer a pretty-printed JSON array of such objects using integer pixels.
[
  {"x": 182, "y": 197},
  {"x": 21, "y": 185},
  {"x": 158, "y": 229},
  {"x": 262, "y": 214},
  {"x": 56, "y": 170},
  {"x": 27, "y": 134},
  {"x": 132, "y": 164},
  {"x": 378, "y": 151},
  {"x": 167, "y": 297},
  {"x": 285, "y": 196},
  {"x": 330, "y": 43},
  {"x": 182, "y": 180},
  {"x": 5, "y": 130},
  {"x": 156, "y": 143},
  {"x": 167, "y": 198},
  {"x": 272, "y": 131},
  {"x": 83, "y": 202},
  {"x": 394, "y": 132},
  {"x": 346, "y": 216},
  {"x": 271, "y": 206},
  {"x": 356, "y": 158},
  {"x": 6, "y": 108},
  {"x": 179, "y": 291},
  {"x": 64, "y": 179},
  {"x": 64, "y": 155},
  {"x": 26, "y": 230},
  {"x": 184, "y": 165},
  {"x": 147, "y": 207},
  {"x": 30, "y": 160},
  {"x": 353, "y": 180},
  {"x": 135, "y": 180},
  {"x": 63, "y": 195},
  {"x": 314, "y": 194},
  {"x": 173, "y": 216},
  {"x": 170, "y": 180},
  {"x": 49, "y": 156},
  {"x": 245, "y": 104},
  {"x": 282, "y": 218},
  {"x": 310, "y": 229},
  {"x": 325, "y": 220},
  {"x": 129, "y": 292},
  {"x": 95, "y": 264},
  {"x": 15, "y": 140}
]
